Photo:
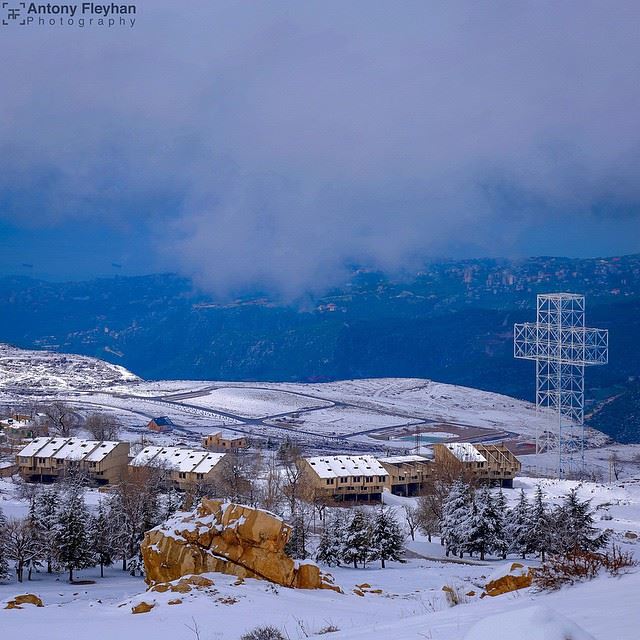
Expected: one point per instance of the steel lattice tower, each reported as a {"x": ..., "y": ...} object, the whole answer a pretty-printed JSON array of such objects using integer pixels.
[{"x": 561, "y": 346}]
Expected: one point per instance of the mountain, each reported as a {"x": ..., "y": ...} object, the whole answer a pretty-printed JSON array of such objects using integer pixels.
[{"x": 452, "y": 322}]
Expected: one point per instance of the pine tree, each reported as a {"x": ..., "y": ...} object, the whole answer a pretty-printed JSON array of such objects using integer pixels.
[
  {"x": 387, "y": 538},
  {"x": 296, "y": 546},
  {"x": 455, "y": 517},
  {"x": 357, "y": 540},
  {"x": 101, "y": 534},
  {"x": 519, "y": 526},
  {"x": 72, "y": 534},
  {"x": 46, "y": 517},
  {"x": 172, "y": 502},
  {"x": 575, "y": 528},
  {"x": 4, "y": 560},
  {"x": 500, "y": 544},
  {"x": 329, "y": 550},
  {"x": 31, "y": 522},
  {"x": 541, "y": 530},
  {"x": 482, "y": 524}
]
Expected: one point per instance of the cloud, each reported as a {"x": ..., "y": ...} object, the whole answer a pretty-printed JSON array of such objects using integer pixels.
[{"x": 271, "y": 144}]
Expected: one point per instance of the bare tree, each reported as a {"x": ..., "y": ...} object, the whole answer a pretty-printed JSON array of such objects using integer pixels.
[
  {"x": 411, "y": 519},
  {"x": 235, "y": 477},
  {"x": 271, "y": 488},
  {"x": 102, "y": 426},
  {"x": 59, "y": 419},
  {"x": 21, "y": 544}
]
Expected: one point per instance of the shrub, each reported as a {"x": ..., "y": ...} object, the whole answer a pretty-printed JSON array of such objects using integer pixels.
[
  {"x": 330, "y": 628},
  {"x": 264, "y": 633},
  {"x": 578, "y": 565}
]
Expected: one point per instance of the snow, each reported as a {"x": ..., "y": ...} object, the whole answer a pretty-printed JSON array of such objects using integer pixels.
[
  {"x": 465, "y": 452},
  {"x": 68, "y": 449},
  {"x": 340, "y": 466},
  {"x": 178, "y": 458},
  {"x": 102, "y": 451},
  {"x": 403, "y": 459},
  {"x": 49, "y": 370},
  {"x": 412, "y": 605},
  {"x": 532, "y": 623},
  {"x": 255, "y": 403}
]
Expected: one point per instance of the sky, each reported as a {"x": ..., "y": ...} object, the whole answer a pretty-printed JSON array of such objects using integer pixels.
[{"x": 251, "y": 144}]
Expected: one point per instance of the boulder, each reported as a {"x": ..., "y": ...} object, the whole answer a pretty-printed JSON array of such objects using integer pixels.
[
  {"x": 510, "y": 577},
  {"x": 25, "y": 598},
  {"x": 142, "y": 607},
  {"x": 228, "y": 538}
]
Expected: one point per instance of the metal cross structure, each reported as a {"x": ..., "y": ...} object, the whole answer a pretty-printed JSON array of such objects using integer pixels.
[{"x": 561, "y": 346}]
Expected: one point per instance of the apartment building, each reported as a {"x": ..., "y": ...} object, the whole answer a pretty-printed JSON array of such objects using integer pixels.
[{"x": 46, "y": 459}]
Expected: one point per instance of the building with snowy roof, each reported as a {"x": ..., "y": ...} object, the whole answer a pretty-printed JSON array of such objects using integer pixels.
[
  {"x": 44, "y": 459},
  {"x": 341, "y": 478},
  {"x": 491, "y": 463},
  {"x": 162, "y": 424},
  {"x": 225, "y": 441},
  {"x": 186, "y": 467},
  {"x": 409, "y": 474}
]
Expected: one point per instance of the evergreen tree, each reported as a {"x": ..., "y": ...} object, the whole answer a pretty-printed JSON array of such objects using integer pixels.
[
  {"x": 500, "y": 544},
  {"x": 482, "y": 524},
  {"x": 574, "y": 525},
  {"x": 4, "y": 560},
  {"x": 329, "y": 550},
  {"x": 519, "y": 526},
  {"x": 455, "y": 517},
  {"x": 46, "y": 518},
  {"x": 172, "y": 502},
  {"x": 542, "y": 526},
  {"x": 101, "y": 534},
  {"x": 387, "y": 538},
  {"x": 72, "y": 534},
  {"x": 296, "y": 546},
  {"x": 31, "y": 522},
  {"x": 357, "y": 540}
]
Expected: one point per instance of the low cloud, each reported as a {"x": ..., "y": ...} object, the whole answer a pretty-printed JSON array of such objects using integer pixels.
[{"x": 272, "y": 144}]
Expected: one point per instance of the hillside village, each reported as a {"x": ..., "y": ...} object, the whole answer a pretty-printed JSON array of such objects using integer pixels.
[{"x": 394, "y": 497}]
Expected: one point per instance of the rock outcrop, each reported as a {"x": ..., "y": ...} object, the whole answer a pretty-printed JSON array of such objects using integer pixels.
[
  {"x": 227, "y": 538},
  {"x": 510, "y": 578},
  {"x": 25, "y": 598}
]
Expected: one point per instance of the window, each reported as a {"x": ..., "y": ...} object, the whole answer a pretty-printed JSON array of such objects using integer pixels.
[{"x": 329, "y": 480}]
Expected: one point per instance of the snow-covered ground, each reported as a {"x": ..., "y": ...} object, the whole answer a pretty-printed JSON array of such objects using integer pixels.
[
  {"x": 43, "y": 370},
  {"x": 410, "y": 604}
]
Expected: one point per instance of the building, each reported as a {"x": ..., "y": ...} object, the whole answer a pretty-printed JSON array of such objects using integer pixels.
[
  {"x": 224, "y": 441},
  {"x": 186, "y": 467},
  {"x": 408, "y": 474},
  {"x": 492, "y": 463},
  {"x": 163, "y": 424},
  {"x": 45, "y": 459},
  {"x": 342, "y": 478}
]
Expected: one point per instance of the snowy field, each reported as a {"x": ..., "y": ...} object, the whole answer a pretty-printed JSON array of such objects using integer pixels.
[
  {"x": 249, "y": 402},
  {"x": 348, "y": 420},
  {"x": 411, "y": 604},
  {"x": 321, "y": 415}
]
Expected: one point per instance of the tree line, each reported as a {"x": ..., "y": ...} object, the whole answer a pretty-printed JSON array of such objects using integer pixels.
[
  {"x": 60, "y": 532},
  {"x": 478, "y": 522}
]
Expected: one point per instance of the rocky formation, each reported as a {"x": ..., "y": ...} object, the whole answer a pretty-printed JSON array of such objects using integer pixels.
[
  {"x": 510, "y": 578},
  {"x": 26, "y": 598},
  {"x": 226, "y": 538}
]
